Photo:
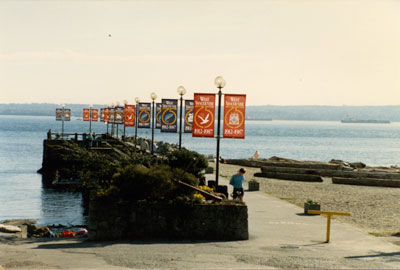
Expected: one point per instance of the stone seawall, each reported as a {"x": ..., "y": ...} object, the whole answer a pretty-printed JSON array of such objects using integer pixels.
[{"x": 133, "y": 221}]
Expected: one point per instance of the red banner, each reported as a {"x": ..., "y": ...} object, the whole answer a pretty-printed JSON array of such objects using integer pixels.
[
  {"x": 234, "y": 115},
  {"x": 106, "y": 115},
  {"x": 129, "y": 120},
  {"x": 203, "y": 115},
  {"x": 95, "y": 115},
  {"x": 86, "y": 114}
]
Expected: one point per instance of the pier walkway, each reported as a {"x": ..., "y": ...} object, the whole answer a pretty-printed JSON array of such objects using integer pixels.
[{"x": 280, "y": 237}]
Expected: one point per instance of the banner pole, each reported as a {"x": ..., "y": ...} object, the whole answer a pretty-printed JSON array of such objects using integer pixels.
[{"x": 218, "y": 135}]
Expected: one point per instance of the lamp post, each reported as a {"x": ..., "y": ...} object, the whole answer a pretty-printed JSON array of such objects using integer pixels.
[
  {"x": 90, "y": 118},
  {"x": 108, "y": 116},
  {"x": 181, "y": 92},
  {"x": 137, "y": 100},
  {"x": 118, "y": 105},
  {"x": 220, "y": 83},
  {"x": 113, "y": 120},
  {"x": 63, "y": 117},
  {"x": 153, "y": 97},
  {"x": 125, "y": 103}
]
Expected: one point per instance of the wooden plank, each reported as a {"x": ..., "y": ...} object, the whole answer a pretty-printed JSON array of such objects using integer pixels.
[
  {"x": 328, "y": 213},
  {"x": 202, "y": 192}
]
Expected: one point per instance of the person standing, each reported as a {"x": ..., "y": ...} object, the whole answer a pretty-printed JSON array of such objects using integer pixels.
[{"x": 237, "y": 181}]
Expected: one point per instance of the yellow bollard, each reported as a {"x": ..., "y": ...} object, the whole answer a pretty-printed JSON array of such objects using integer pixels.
[{"x": 328, "y": 224}]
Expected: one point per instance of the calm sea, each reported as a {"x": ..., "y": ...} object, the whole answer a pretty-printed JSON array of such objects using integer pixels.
[{"x": 21, "y": 140}]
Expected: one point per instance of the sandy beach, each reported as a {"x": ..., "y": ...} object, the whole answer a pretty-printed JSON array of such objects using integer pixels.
[{"x": 375, "y": 210}]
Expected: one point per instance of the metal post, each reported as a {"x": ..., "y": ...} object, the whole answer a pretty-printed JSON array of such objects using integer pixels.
[
  {"x": 90, "y": 120},
  {"x": 218, "y": 135},
  {"x": 152, "y": 131},
  {"x": 136, "y": 123},
  {"x": 180, "y": 125},
  {"x": 62, "y": 129}
]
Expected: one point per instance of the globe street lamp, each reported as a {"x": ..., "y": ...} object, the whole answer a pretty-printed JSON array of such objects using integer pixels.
[
  {"x": 63, "y": 116},
  {"x": 113, "y": 119},
  {"x": 108, "y": 115},
  {"x": 126, "y": 103},
  {"x": 118, "y": 105},
  {"x": 137, "y": 100},
  {"x": 220, "y": 83},
  {"x": 90, "y": 118},
  {"x": 153, "y": 97},
  {"x": 181, "y": 92}
]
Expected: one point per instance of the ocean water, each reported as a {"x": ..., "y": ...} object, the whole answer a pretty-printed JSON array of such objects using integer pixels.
[{"x": 21, "y": 141}]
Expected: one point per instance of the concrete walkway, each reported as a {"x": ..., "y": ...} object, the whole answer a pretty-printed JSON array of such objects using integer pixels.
[{"x": 280, "y": 237}]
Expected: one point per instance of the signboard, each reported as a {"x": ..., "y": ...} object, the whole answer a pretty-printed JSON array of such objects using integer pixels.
[
  {"x": 203, "y": 115},
  {"x": 119, "y": 115},
  {"x": 59, "y": 116},
  {"x": 169, "y": 115},
  {"x": 234, "y": 115},
  {"x": 129, "y": 116},
  {"x": 111, "y": 115},
  {"x": 95, "y": 115},
  {"x": 86, "y": 114},
  {"x": 158, "y": 115},
  {"x": 188, "y": 126},
  {"x": 106, "y": 115},
  {"x": 144, "y": 115},
  {"x": 67, "y": 114}
]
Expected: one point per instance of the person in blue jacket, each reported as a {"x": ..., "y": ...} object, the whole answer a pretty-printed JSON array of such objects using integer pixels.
[{"x": 237, "y": 183}]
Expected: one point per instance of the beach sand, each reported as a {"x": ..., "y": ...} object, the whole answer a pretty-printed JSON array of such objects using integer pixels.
[{"x": 375, "y": 210}]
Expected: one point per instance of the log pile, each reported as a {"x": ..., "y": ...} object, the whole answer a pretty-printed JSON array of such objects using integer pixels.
[{"x": 311, "y": 171}]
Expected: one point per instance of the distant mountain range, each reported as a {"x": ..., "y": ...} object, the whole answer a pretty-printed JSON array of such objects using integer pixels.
[{"x": 267, "y": 112}]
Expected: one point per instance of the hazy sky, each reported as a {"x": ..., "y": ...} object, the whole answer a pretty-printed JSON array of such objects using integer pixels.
[{"x": 277, "y": 52}]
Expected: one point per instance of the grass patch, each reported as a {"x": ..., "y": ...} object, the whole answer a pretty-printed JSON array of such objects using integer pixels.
[
  {"x": 288, "y": 199},
  {"x": 385, "y": 234}
]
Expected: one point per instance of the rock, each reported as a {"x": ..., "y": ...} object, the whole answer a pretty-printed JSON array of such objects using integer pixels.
[{"x": 9, "y": 228}]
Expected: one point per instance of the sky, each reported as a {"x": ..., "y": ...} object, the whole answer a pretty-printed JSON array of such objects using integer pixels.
[{"x": 288, "y": 52}]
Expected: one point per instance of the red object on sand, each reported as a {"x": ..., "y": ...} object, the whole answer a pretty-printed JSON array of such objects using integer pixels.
[{"x": 68, "y": 234}]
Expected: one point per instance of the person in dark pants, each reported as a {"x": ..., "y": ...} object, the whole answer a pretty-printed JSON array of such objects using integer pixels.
[{"x": 237, "y": 183}]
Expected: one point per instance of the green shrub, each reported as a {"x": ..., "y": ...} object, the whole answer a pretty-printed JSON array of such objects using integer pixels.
[{"x": 190, "y": 161}]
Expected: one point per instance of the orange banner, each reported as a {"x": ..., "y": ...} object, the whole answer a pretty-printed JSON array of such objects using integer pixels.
[
  {"x": 234, "y": 115},
  {"x": 95, "y": 115},
  {"x": 203, "y": 115},
  {"x": 106, "y": 115},
  {"x": 86, "y": 114},
  {"x": 129, "y": 120}
]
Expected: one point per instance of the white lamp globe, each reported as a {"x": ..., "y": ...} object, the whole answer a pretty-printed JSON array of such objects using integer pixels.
[
  {"x": 181, "y": 90},
  {"x": 137, "y": 99},
  {"x": 153, "y": 96},
  {"x": 220, "y": 82}
]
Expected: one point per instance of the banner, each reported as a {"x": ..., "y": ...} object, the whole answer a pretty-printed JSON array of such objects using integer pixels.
[
  {"x": 129, "y": 116},
  {"x": 106, "y": 115},
  {"x": 86, "y": 114},
  {"x": 169, "y": 115},
  {"x": 188, "y": 126},
  {"x": 203, "y": 115},
  {"x": 234, "y": 115},
  {"x": 119, "y": 115},
  {"x": 111, "y": 115},
  {"x": 95, "y": 115},
  {"x": 67, "y": 114},
  {"x": 158, "y": 115},
  {"x": 59, "y": 116},
  {"x": 144, "y": 115}
]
